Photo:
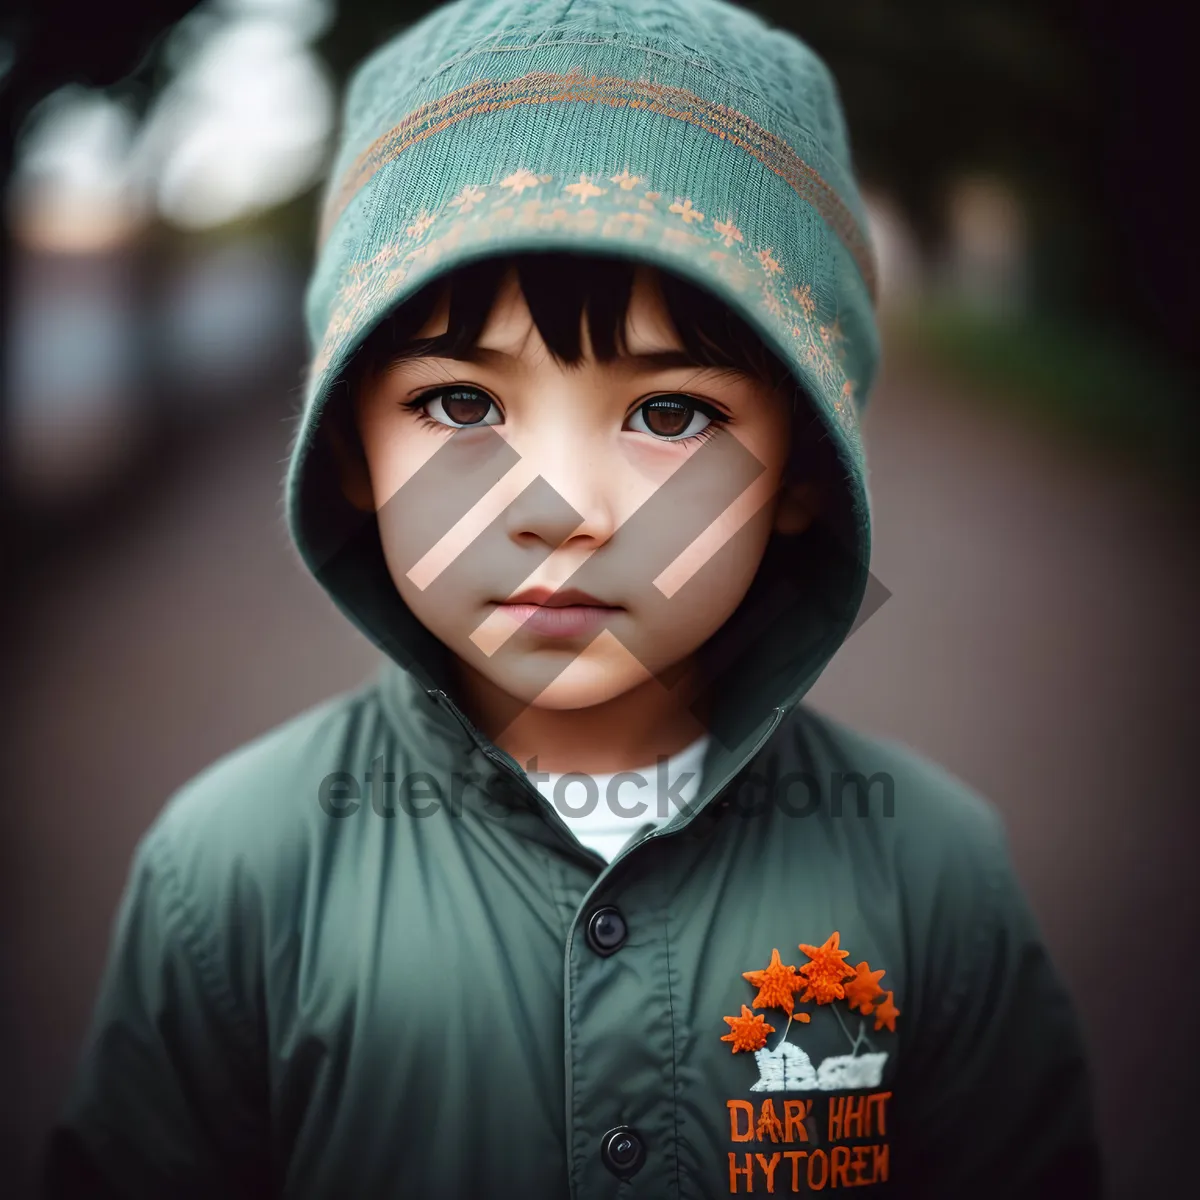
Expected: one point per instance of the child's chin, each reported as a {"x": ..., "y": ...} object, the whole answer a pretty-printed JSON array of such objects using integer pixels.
[{"x": 595, "y": 676}]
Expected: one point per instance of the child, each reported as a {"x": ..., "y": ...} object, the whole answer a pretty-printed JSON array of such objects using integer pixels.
[{"x": 571, "y": 901}]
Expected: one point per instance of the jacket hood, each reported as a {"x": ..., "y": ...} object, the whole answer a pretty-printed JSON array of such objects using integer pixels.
[{"x": 692, "y": 137}]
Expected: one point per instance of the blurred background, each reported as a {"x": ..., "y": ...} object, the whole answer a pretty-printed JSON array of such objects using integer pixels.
[{"x": 1026, "y": 165}]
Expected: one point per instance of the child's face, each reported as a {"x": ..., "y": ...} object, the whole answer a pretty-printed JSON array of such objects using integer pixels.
[{"x": 605, "y": 438}]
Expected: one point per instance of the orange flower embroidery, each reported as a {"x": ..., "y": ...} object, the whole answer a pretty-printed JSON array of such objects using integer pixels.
[
  {"x": 470, "y": 196},
  {"x": 625, "y": 181},
  {"x": 684, "y": 209},
  {"x": 584, "y": 188},
  {"x": 420, "y": 225},
  {"x": 729, "y": 232},
  {"x": 769, "y": 263},
  {"x": 747, "y": 1032},
  {"x": 824, "y": 974},
  {"x": 886, "y": 1014},
  {"x": 863, "y": 988},
  {"x": 519, "y": 180},
  {"x": 776, "y": 984},
  {"x": 803, "y": 296}
]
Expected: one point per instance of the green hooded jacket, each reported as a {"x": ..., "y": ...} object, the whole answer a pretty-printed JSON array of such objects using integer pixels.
[{"x": 362, "y": 956}]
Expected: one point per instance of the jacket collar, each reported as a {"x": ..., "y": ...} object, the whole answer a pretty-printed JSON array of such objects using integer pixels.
[{"x": 427, "y": 716}]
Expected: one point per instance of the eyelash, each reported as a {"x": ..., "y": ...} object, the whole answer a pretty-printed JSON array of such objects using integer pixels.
[{"x": 717, "y": 419}]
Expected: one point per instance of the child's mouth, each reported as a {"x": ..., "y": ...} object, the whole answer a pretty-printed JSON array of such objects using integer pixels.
[{"x": 565, "y": 614}]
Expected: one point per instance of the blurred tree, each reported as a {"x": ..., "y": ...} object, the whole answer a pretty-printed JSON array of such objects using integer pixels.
[{"x": 45, "y": 44}]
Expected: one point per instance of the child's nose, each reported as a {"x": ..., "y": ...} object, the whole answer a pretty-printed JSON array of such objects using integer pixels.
[{"x": 569, "y": 500}]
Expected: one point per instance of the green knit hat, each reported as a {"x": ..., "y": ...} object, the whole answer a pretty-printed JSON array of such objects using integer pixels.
[{"x": 686, "y": 134}]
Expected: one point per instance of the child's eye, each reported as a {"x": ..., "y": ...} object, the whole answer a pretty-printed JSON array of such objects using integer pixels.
[
  {"x": 675, "y": 418},
  {"x": 458, "y": 407}
]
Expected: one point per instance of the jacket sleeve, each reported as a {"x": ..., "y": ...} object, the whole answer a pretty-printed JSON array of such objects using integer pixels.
[
  {"x": 1000, "y": 1099},
  {"x": 168, "y": 1099}
]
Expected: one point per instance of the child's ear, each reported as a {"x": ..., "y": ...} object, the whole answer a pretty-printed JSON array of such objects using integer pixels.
[
  {"x": 799, "y": 505},
  {"x": 353, "y": 474}
]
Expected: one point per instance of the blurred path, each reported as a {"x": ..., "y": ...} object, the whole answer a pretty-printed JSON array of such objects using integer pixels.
[{"x": 1034, "y": 643}]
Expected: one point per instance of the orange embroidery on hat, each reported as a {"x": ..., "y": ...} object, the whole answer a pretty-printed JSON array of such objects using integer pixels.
[
  {"x": 624, "y": 180},
  {"x": 729, "y": 231},
  {"x": 420, "y": 225},
  {"x": 654, "y": 195},
  {"x": 686, "y": 211},
  {"x": 470, "y": 196},
  {"x": 519, "y": 180},
  {"x": 776, "y": 984},
  {"x": 769, "y": 264},
  {"x": 803, "y": 297},
  {"x": 584, "y": 188},
  {"x": 747, "y": 1032},
  {"x": 886, "y": 1014},
  {"x": 539, "y": 87},
  {"x": 863, "y": 989},
  {"x": 826, "y": 970},
  {"x": 368, "y": 285}
]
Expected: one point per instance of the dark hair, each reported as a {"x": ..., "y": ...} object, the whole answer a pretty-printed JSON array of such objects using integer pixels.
[{"x": 562, "y": 290}]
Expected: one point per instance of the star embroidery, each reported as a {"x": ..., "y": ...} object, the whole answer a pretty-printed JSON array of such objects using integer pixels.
[
  {"x": 470, "y": 196},
  {"x": 584, "y": 188},
  {"x": 625, "y": 180},
  {"x": 747, "y": 1032},
  {"x": 769, "y": 264},
  {"x": 885, "y": 1014},
  {"x": 420, "y": 225},
  {"x": 863, "y": 988},
  {"x": 803, "y": 297},
  {"x": 776, "y": 984},
  {"x": 519, "y": 180},
  {"x": 825, "y": 971},
  {"x": 686, "y": 211},
  {"x": 729, "y": 232}
]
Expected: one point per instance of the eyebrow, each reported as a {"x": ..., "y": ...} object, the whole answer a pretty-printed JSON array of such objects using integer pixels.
[{"x": 652, "y": 360}]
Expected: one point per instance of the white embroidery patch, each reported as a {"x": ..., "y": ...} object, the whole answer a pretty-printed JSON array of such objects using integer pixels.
[{"x": 788, "y": 1069}]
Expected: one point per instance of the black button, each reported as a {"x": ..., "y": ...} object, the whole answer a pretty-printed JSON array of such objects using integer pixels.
[
  {"x": 622, "y": 1151},
  {"x": 606, "y": 930}
]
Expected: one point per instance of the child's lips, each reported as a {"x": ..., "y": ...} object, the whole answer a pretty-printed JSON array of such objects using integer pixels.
[
  {"x": 563, "y": 614},
  {"x": 546, "y": 597}
]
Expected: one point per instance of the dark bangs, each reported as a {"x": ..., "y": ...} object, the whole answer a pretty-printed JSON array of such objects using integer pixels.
[{"x": 562, "y": 290}]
